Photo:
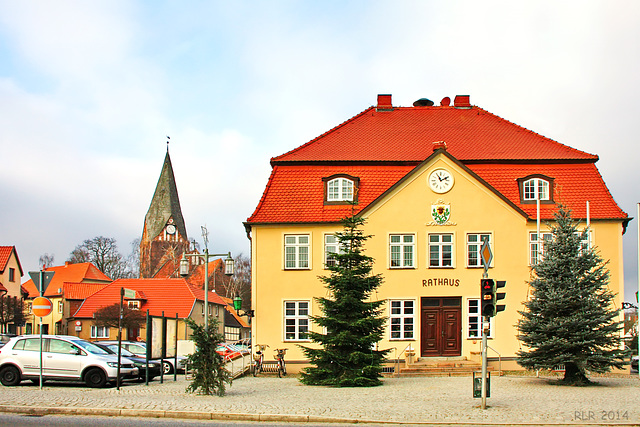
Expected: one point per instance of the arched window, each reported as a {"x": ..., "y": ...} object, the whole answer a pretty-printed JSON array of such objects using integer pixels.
[
  {"x": 536, "y": 187},
  {"x": 340, "y": 189}
]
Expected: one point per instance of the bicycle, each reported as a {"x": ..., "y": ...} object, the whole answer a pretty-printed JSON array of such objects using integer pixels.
[
  {"x": 279, "y": 356},
  {"x": 258, "y": 356}
]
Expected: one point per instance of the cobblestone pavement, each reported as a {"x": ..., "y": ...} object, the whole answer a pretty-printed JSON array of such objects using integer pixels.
[{"x": 514, "y": 400}]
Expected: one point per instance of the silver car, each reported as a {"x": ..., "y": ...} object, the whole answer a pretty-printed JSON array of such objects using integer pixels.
[
  {"x": 139, "y": 348},
  {"x": 63, "y": 358}
]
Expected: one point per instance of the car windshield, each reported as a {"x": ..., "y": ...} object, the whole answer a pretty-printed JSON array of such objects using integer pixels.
[
  {"x": 124, "y": 351},
  {"x": 90, "y": 347}
]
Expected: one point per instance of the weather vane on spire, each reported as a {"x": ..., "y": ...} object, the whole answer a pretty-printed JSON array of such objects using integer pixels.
[{"x": 168, "y": 138}]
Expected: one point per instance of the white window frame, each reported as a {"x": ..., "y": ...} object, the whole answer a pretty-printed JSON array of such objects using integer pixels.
[
  {"x": 535, "y": 188},
  {"x": 404, "y": 249},
  {"x": 99, "y": 331},
  {"x": 402, "y": 324},
  {"x": 296, "y": 320},
  {"x": 474, "y": 320},
  {"x": 536, "y": 255},
  {"x": 441, "y": 245},
  {"x": 133, "y": 304},
  {"x": 340, "y": 190},
  {"x": 331, "y": 246},
  {"x": 474, "y": 246},
  {"x": 60, "y": 306},
  {"x": 301, "y": 252}
]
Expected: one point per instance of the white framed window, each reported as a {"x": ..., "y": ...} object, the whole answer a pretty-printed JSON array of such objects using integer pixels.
[
  {"x": 535, "y": 189},
  {"x": 440, "y": 250},
  {"x": 474, "y": 244},
  {"x": 474, "y": 320},
  {"x": 402, "y": 250},
  {"x": 536, "y": 249},
  {"x": 402, "y": 318},
  {"x": 133, "y": 304},
  {"x": 60, "y": 306},
  {"x": 331, "y": 247},
  {"x": 296, "y": 320},
  {"x": 340, "y": 190},
  {"x": 296, "y": 251},
  {"x": 99, "y": 331}
]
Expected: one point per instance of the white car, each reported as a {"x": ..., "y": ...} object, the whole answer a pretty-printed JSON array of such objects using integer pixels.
[{"x": 63, "y": 358}]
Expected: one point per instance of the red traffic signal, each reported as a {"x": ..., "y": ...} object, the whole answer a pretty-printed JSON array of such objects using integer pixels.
[{"x": 487, "y": 297}]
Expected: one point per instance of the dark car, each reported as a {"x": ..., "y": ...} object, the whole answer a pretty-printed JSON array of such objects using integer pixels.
[
  {"x": 139, "y": 348},
  {"x": 139, "y": 362},
  {"x": 634, "y": 364}
]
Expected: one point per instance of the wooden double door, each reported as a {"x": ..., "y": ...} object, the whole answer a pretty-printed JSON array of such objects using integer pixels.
[{"x": 441, "y": 326}]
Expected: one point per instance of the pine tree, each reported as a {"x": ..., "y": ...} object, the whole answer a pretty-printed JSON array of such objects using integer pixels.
[
  {"x": 209, "y": 372},
  {"x": 570, "y": 319},
  {"x": 352, "y": 323}
]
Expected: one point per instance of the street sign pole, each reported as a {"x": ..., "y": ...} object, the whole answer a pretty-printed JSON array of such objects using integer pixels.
[{"x": 486, "y": 256}]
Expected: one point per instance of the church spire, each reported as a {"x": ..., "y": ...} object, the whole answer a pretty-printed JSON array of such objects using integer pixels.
[{"x": 164, "y": 237}]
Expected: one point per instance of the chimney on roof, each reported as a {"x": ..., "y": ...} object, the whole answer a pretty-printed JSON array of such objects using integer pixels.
[
  {"x": 462, "y": 101},
  {"x": 439, "y": 145},
  {"x": 384, "y": 103},
  {"x": 66, "y": 263}
]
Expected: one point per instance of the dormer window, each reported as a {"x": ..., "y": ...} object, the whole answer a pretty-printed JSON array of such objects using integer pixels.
[
  {"x": 340, "y": 189},
  {"x": 536, "y": 187}
]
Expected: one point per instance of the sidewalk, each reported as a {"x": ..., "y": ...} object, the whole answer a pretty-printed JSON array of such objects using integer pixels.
[{"x": 514, "y": 400}]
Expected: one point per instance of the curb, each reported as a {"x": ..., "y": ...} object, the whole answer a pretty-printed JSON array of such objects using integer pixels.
[{"x": 220, "y": 416}]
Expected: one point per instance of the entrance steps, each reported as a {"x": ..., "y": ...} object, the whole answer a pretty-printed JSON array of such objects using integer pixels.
[{"x": 440, "y": 367}]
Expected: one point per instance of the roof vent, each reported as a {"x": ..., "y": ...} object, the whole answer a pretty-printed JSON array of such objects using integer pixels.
[
  {"x": 446, "y": 101},
  {"x": 423, "y": 102},
  {"x": 384, "y": 103}
]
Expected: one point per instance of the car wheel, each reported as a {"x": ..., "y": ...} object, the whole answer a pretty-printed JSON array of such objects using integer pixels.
[
  {"x": 10, "y": 376},
  {"x": 95, "y": 378},
  {"x": 167, "y": 368}
]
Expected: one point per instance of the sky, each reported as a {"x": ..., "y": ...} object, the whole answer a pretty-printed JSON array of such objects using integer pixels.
[{"x": 89, "y": 92}]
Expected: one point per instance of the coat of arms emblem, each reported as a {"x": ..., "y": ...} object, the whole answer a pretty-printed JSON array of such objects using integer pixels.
[{"x": 440, "y": 213}]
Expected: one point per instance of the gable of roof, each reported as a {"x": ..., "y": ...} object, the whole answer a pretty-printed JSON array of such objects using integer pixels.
[
  {"x": 83, "y": 272},
  {"x": 5, "y": 256},
  {"x": 171, "y": 296}
]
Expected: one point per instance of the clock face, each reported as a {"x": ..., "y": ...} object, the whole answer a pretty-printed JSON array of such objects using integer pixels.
[
  {"x": 440, "y": 181},
  {"x": 171, "y": 229}
]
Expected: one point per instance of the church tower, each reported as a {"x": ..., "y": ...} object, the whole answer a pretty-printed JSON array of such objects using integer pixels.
[{"x": 164, "y": 237}]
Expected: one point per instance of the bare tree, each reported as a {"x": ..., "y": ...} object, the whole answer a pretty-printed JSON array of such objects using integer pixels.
[
  {"x": 133, "y": 260},
  {"x": 240, "y": 283},
  {"x": 46, "y": 260},
  {"x": 103, "y": 253},
  {"x": 12, "y": 311},
  {"x": 108, "y": 317}
]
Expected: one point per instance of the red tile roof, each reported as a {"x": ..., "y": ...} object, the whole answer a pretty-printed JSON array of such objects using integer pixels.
[
  {"x": 79, "y": 291},
  {"x": 84, "y": 272},
  {"x": 232, "y": 311},
  {"x": 382, "y": 147},
  {"x": 173, "y": 296},
  {"x": 5, "y": 255},
  {"x": 407, "y": 134}
]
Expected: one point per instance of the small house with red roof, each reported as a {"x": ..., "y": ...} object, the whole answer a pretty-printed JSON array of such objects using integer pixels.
[
  {"x": 433, "y": 182},
  {"x": 70, "y": 284},
  {"x": 169, "y": 297},
  {"x": 10, "y": 278}
]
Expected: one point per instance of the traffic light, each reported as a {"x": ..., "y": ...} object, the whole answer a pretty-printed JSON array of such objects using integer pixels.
[
  {"x": 497, "y": 296},
  {"x": 487, "y": 297}
]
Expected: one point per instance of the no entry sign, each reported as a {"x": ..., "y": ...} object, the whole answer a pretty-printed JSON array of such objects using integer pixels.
[{"x": 41, "y": 306}]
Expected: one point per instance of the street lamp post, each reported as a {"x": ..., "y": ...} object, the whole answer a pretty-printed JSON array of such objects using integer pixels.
[{"x": 229, "y": 265}]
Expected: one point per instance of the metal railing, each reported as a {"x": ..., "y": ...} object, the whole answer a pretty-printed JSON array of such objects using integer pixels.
[{"x": 499, "y": 360}]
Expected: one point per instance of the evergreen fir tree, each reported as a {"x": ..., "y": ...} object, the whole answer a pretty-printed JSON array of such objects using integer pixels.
[
  {"x": 352, "y": 323},
  {"x": 570, "y": 319},
  {"x": 209, "y": 372}
]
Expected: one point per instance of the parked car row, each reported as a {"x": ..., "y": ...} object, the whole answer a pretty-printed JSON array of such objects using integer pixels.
[
  {"x": 63, "y": 358},
  {"x": 139, "y": 348}
]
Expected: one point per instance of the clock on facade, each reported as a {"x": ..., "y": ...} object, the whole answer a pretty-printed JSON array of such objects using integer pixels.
[
  {"x": 440, "y": 180},
  {"x": 171, "y": 229}
]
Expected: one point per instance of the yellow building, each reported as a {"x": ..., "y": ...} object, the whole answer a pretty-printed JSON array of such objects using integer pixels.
[{"x": 433, "y": 183}]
